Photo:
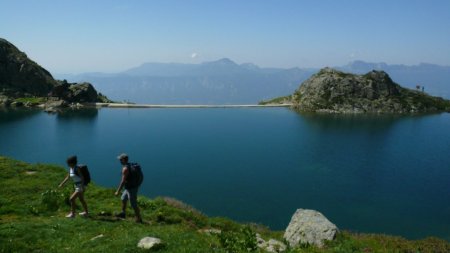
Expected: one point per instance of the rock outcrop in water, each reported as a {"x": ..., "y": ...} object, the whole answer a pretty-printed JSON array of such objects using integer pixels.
[
  {"x": 76, "y": 92},
  {"x": 21, "y": 77},
  {"x": 333, "y": 91}
]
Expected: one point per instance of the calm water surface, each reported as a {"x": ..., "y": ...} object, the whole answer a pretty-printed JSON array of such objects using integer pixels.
[{"x": 380, "y": 174}]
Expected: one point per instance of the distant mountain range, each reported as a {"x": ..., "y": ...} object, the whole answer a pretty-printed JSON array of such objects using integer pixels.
[{"x": 225, "y": 82}]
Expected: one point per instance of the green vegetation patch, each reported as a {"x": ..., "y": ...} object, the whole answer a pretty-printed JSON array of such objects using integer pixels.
[
  {"x": 31, "y": 100},
  {"x": 278, "y": 100},
  {"x": 32, "y": 219}
]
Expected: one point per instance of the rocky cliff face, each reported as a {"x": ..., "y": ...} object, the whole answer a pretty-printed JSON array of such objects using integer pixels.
[
  {"x": 337, "y": 92},
  {"x": 22, "y": 77}
]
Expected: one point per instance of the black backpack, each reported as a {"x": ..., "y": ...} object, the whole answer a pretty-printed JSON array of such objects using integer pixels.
[
  {"x": 135, "y": 176},
  {"x": 84, "y": 171}
]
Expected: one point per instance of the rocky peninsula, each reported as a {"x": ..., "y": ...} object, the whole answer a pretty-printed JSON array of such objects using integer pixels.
[
  {"x": 333, "y": 91},
  {"x": 23, "y": 82}
]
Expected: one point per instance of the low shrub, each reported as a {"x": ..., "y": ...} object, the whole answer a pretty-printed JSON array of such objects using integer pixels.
[{"x": 243, "y": 240}]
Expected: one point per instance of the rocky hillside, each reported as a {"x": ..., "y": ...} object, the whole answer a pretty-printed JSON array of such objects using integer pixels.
[
  {"x": 334, "y": 91},
  {"x": 21, "y": 77}
]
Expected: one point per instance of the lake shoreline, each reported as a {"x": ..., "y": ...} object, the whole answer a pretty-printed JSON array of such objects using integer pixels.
[
  {"x": 265, "y": 154},
  {"x": 123, "y": 105}
]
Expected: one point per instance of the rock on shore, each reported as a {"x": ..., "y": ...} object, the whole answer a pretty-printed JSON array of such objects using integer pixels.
[{"x": 309, "y": 227}]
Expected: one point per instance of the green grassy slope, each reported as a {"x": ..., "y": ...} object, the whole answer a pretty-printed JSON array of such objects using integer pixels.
[
  {"x": 32, "y": 220},
  {"x": 277, "y": 100}
]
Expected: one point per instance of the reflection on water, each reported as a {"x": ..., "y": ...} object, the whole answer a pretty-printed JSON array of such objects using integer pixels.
[
  {"x": 13, "y": 114},
  {"x": 8, "y": 115},
  {"x": 77, "y": 114},
  {"x": 357, "y": 122}
]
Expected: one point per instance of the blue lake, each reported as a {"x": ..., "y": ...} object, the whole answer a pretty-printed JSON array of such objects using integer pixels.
[{"x": 380, "y": 174}]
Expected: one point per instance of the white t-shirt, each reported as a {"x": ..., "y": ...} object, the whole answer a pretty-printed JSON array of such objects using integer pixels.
[{"x": 75, "y": 178}]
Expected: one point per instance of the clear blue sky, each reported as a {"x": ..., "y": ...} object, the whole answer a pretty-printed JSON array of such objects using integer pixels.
[{"x": 85, "y": 36}]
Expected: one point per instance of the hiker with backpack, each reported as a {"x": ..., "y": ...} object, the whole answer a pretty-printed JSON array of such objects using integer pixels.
[
  {"x": 132, "y": 178},
  {"x": 80, "y": 177}
]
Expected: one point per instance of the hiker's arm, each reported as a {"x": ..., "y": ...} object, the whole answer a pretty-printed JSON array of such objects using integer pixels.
[
  {"x": 64, "y": 181},
  {"x": 124, "y": 179}
]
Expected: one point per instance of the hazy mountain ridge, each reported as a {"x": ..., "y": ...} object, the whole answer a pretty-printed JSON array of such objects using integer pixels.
[
  {"x": 216, "y": 82},
  {"x": 226, "y": 82},
  {"x": 221, "y": 67}
]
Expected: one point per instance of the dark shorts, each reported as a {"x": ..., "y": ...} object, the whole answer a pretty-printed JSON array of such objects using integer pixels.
[
  {"x": 130, "y": 194},
  {"x": 79, "y": 187}
]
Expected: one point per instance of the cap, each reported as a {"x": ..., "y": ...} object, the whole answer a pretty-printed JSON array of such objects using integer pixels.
[{"x": 122, "y": 156}]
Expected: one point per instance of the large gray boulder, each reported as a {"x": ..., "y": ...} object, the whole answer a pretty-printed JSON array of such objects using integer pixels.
[
  {"x": 309, "y": 227},
  {"x": 56, "y": 104},
  {"x": 149, "y": 243},
  {"x": 77, "y": 93},
  {"x": 83, "y": 93}
]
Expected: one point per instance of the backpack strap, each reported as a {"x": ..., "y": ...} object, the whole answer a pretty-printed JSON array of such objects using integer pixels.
[
  {"x": 128, "y": 166},
  {"x": 76, "y": 170}
]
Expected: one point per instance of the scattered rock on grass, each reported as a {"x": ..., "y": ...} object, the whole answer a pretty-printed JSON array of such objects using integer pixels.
[
  {"x": 105, "y": 213},
  {"x": 210, "y": 231},
  {"x": 16, "y": 104},
  {"x": 271, "y": 245},
  {"x": 97, "y": 237},
  {"x": 149, "y": 243}
]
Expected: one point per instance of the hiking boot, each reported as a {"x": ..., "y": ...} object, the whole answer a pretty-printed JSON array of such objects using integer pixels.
[
  {"x": 121, "y": 215},
  {"x": 84, "y": 214},
  {"x": 70, "y": 215}
]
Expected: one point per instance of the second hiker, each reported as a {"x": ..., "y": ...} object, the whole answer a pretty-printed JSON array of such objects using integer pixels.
[
  {"x": 132, "y": 178},
  {"x": 80, "y": 177}
]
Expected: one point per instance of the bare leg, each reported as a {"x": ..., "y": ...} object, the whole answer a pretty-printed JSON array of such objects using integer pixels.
[
  {"x": 72, "y": 205},
  {"x": 137, "y": 212},
  {"x": 72, "y": 202},
  {"x": 83, "y": 202},
  {"x": 124, "y": 206}
]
